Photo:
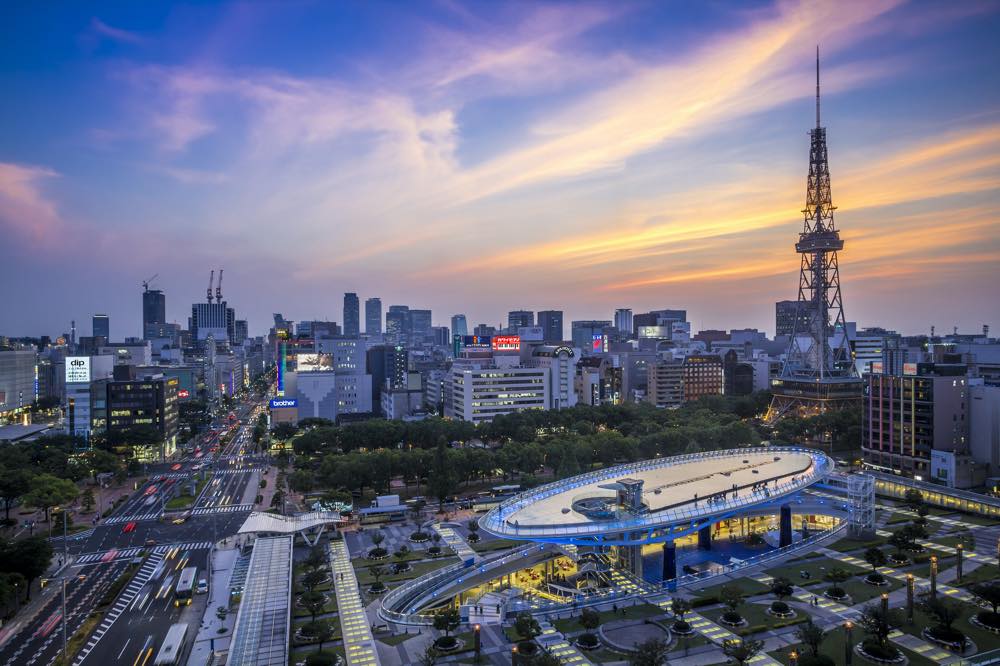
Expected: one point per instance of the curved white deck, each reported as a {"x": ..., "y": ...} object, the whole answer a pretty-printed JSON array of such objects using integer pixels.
[{"x": 681, "y": 488}]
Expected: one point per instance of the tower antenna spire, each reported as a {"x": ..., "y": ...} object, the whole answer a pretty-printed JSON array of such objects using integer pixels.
[{"x": 817, "y": 86}]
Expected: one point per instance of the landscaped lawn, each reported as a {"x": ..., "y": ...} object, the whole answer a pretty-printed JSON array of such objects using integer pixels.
[
  {"x": 973, "y": 519},
  {"x": 334, "y": 624},
  {"x": 757, "y": 618},
  {"x": 982, "y": 573},
  {"x": 848, "y": 544},
  {"x": 630, "y": 613},
  {"x": 833, "y": 647},
  {"x": 397, "y": 639},
  {"x": 184, "y": 501},
  {"x": 966, "y": 539},
  {"x": 816, "y": 569},
  {"x": 495, "y": 544},
  {"x": 416, "y": 569},
  {"x": 861, "y": 591},
  {"x": 983, "y": 639},
  {"x": 749, "y": 587},
  {"x": 899, "y": 518}
]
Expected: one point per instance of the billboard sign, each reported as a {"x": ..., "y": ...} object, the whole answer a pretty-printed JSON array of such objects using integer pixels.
[
  {"x": 183, "y": 393},
  {"x": 313, "y": 362},
  {"x": 507, "y": 343},
  {"x": 280, "y": 403},
  {"x": 909, "y": 368},
  {"x": 77, "y": 369},
  {"x": 877, "y": 367},
  {"x": 477, "y": 342}
]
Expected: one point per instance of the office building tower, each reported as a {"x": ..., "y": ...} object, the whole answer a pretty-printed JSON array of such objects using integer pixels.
[
  {"x": 551, "y": 322},
  {"x": 241, "y": 331},
  {"x": 480, "y": 394},
  {"x": 151, "y": 401},
  {"x": 518, "y": 319},
  {"x": 906, "y": 418},
  {"x": 388, "y": 366},
  {"x": 440, "y": 335},
  {"x": 589, "y": 334},
  {"x": 459, "y": 325},
  {"x": 623, "y": 320},
  {"x": 17, "y": 382},
  {"x": 485, "y": 331},
  {"x": 101, "y": 326},
  {"x": 373, "y": 316},
  {"x": 154, "y": 313},
  {"x": 664, "y": 318},
  {"x": 739, "y": 375},
  {"x": 703, "y": 375},
  {"x": 665, "y": 383},
  {"x": 352, "y": 315},
  {"x": 788, "y": 315},
  {"x": 420, "y": 324},
  {"x": 215, "y": 319},
  {"x": 397, "y": 321}
]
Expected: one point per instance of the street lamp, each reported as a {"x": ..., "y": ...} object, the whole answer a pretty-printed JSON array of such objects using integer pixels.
[
  {"x": 478, "y": 640},
  {"x": 848, "y": 647},
  {"x": 794, "y": 656}
]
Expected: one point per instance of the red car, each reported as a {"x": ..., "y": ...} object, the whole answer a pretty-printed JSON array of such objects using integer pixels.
[
  {"x": 130, "y": 527},
  {"x": 175, "y": 466},
  {"x": 150, "y": 491}
]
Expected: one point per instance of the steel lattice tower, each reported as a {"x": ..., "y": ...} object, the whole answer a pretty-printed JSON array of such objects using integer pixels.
[{"x": 818, "y": 373}]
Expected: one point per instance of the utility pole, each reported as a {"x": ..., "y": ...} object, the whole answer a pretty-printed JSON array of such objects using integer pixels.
[{"x": 64, "y": 618}]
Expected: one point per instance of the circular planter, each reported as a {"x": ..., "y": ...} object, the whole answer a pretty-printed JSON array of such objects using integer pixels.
[
  {"x": 473, "y": 538},
  {"x": 434, "y": 551},
  {"x": 992, "y": 624},
  {"x": 784, "y": 611},
  {"x": 377, "y": 589},
  {"x": 401, "y": 567},
  {"x": 682, "y": 628},
  {"x": 588, "y": 642},
  {"x": 900, "y": 658},
  {"x": 420, "y": 537},
  {"x": 953, "y": 645},
  {"x": 731, "y": 622},
  {"x": 900, "y": 561},
  {"x": 447, "y": 644},
  {"x": 838, "y": 598},
  {"x": 527, "y": 649},
  {"x": 326, "y": 600},
  {"x": 880, "y": 581},
  {"x": 378, "y": 554}
]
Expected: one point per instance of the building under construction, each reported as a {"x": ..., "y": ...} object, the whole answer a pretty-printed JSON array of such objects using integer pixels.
[{"x": 818, "y": 374}]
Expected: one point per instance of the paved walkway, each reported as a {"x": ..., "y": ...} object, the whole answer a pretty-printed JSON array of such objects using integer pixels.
[
  {"x": 209, "y": 639},
  {"x": 456, "y": 542},
  {"x": 556, "y": 643},
  {"x": 359, "y": 646}
]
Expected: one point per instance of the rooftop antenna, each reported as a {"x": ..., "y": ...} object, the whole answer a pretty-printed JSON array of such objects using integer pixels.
[
  {"x": 211, "y": 279},
  {"x": 817, "y": 86}
]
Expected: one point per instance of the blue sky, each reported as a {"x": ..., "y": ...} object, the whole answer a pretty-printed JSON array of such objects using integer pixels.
[{"x": 481, "y": 157}]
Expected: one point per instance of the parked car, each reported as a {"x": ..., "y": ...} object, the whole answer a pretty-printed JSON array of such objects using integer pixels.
[{"x": 202, "y": 587}]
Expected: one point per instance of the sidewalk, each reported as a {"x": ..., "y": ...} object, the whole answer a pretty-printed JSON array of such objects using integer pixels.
[{"x": 209, "y": 638}]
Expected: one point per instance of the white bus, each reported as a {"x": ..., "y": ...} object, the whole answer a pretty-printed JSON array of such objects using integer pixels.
[
  {"x": 170, "y": 650},
  {"x": 185, "y": 586}
]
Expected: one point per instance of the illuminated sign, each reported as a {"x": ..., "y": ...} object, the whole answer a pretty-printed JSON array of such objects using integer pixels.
[
  {"x": 184, "y": 393},
  {"x": 477, "y": 342},
  {"x": 279, "y": 403},
  {"x": 600, "y": 343},
  {"x": 77, "y": 369},
  {"x": 876, "y": 367},
  {"x": 507, "y": 343},
  {"x": 313, "y": 362},
  {"x": 909, "y": 368}
]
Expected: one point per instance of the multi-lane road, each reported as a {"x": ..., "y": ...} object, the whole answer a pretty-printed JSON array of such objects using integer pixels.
[{"x": 135, "y": 625}]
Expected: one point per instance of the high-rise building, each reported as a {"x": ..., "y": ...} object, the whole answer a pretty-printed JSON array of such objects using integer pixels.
[
  {"x": 703, "y": 375},
  {"x": 905, "y": 418},
  {"x": 397, "y": 321},
  {"x": 788, "y": 315},
  {"x": 101, "y": 326},
  {"x": 215, "y": 319},
  {"x": 373, "y": 316},
  {"x": 459, "y": 325},
  {"x": 352, "y": 315},
  {"x": 147, "y": 401},
  {"x": 551, "y": 322},
  {"x": 154, "y": 313},
  {"x": 485, "y": 331},
  {"x": 623, "y": 320},
  {"x": 818, "y": 374},
  {"x": 480, "y": 394},
  {"x": 241, "y": 331},
  {"x": 665, "y": 386},
  {"x": 519, "y": 319},
  {"x": 420, "y": 324},
  {"x": 17, "y": 382},
  {"x": 738, "y": 374},
  {"x": 589, "y": 334},
  {"x": 388, "y": 366}
]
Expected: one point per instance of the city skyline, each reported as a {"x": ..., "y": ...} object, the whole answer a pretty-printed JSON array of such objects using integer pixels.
[{"x": 591, "y": 156}]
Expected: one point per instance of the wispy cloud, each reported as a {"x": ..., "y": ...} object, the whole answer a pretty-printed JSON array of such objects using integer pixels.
[
  {"x": 26, "y": 212},
  {"x": 116, "y": 34}
]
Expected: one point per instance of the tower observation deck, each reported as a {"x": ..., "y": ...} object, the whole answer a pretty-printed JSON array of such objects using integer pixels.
[{"x": 818, "y": 374}]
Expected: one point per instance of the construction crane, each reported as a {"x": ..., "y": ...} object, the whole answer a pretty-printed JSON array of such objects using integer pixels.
[
  {"x": 211, "y": 279},
  {"x": 218, "y": 288},
  {"x": 149, "y": 281}
]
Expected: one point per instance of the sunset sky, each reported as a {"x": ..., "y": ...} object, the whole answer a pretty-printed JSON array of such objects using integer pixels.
[{"x": 486, "y": 156}]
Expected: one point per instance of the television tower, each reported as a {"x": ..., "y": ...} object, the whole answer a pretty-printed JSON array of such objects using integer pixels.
[{"x": 818, "y": 374}]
